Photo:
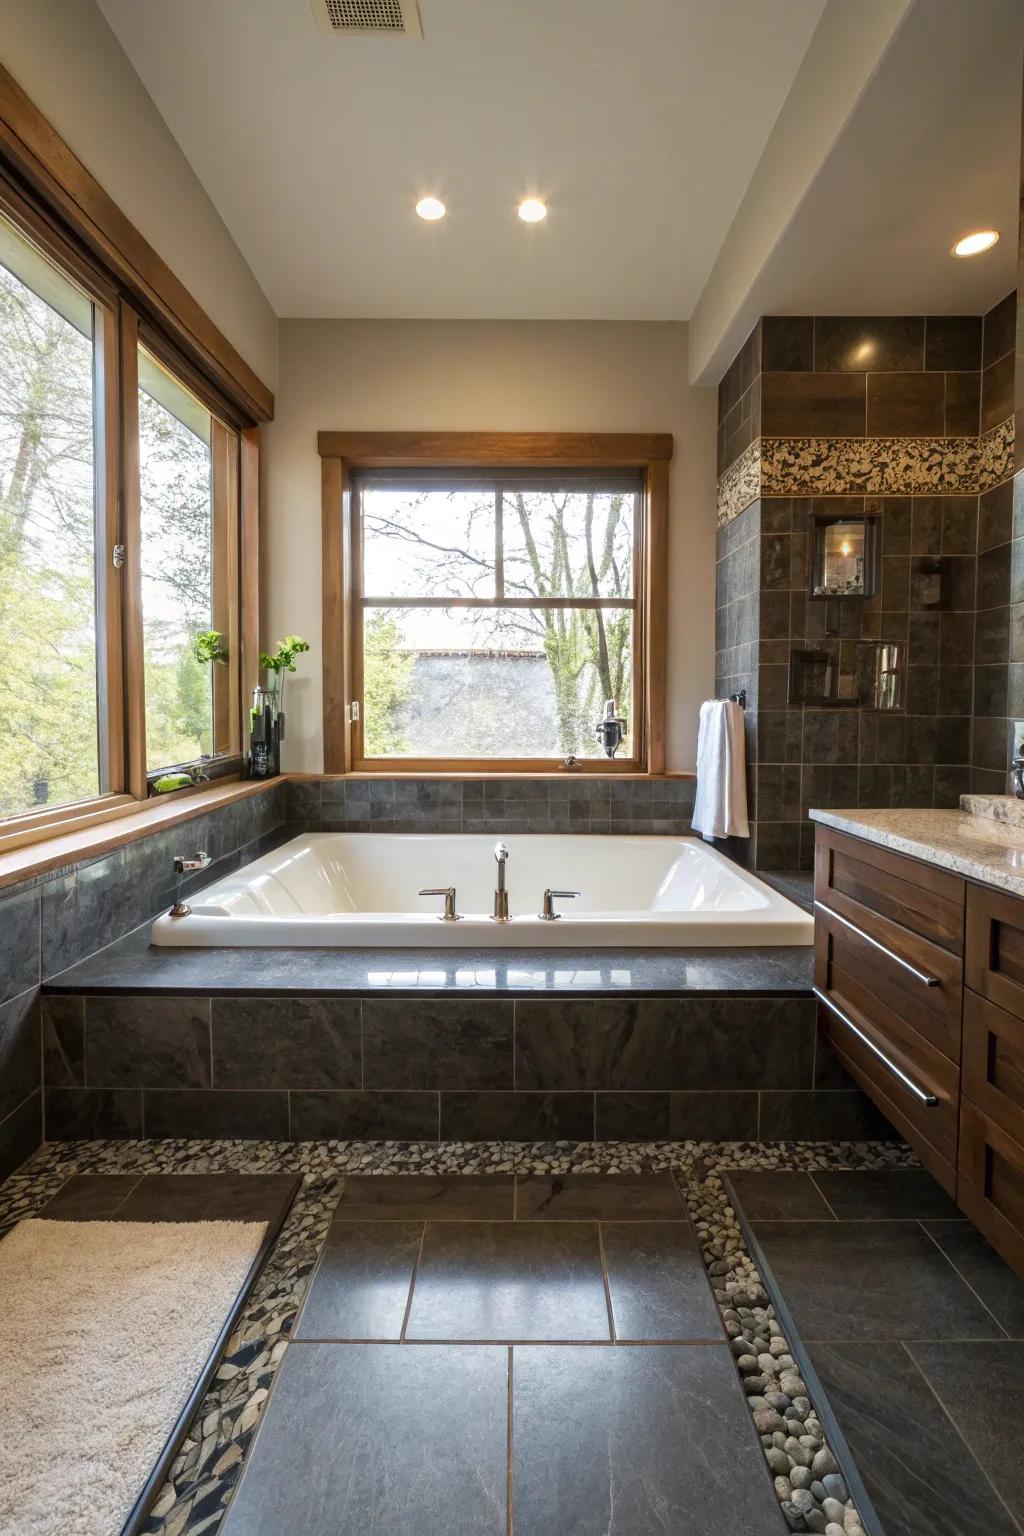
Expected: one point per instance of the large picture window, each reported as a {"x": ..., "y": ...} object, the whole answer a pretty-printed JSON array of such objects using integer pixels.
[{"x": 497, "y": 612}]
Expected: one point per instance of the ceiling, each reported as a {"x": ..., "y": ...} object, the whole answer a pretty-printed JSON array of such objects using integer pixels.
[{"x": 640, "y": 123}]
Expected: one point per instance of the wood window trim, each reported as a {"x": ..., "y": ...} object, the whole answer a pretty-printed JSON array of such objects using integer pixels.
[
  {"x": 342, "y": 453},
  {"x": 32, "y": 147}
]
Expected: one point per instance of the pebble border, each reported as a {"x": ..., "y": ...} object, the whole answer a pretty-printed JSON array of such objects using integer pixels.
[{"x": 811, "y": 1491}]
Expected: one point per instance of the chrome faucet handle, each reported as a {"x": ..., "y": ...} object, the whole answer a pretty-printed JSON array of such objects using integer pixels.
[
  {"x": 197, "y": 861},
  {"x": 449, "y": 915},
  {"x": 550, "y": 897},
  {"x": 500, "y": 851}
]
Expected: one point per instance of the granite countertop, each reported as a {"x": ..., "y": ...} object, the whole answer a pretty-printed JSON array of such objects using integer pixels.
[
  {"x": 984, "y": 843},
  {"x": 132, "y": 965}
]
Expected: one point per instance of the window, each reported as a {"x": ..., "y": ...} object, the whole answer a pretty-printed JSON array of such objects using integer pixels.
[
  {"x": 497, "y": 612},
  {"x": 50, "y": 692},
  {"x": 483, "y": 612}
]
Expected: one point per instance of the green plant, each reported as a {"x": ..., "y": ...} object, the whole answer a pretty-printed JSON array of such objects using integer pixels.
[
  {"x": 209, "y": 646},
  {"x": 283, "y": 659}
]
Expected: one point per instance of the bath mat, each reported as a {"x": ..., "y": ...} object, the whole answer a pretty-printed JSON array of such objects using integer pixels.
[{"x": 105, "y": 1327}]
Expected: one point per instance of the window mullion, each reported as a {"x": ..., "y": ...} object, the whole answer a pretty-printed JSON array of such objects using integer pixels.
[
  {"x": 131, "y": 573},
  {"x": 499, "y": 543},
  {"x": 109, "y": 540}
]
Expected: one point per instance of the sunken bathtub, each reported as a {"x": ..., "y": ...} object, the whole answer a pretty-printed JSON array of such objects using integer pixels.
[{"x": 362, "y": 890}]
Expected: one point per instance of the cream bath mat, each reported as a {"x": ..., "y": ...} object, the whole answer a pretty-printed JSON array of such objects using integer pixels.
[{"x": 105, "y": 1327}]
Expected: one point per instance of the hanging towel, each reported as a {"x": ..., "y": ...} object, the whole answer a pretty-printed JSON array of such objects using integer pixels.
[{"x": 720, "y": 808}]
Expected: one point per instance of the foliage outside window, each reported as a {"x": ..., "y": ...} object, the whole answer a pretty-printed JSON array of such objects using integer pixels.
[{"x": 496, "y": 613}]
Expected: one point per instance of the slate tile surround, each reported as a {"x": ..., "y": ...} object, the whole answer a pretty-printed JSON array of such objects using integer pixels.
[{"x": 459, "y": 1069}]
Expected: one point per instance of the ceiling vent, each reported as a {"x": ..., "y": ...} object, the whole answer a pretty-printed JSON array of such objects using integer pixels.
[{"x": 392, "y": 18}]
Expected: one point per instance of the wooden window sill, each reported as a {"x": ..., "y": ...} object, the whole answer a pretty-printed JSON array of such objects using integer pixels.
[
  {"x": 53, "y": 853},
  {"x": 491, "y": 773}
]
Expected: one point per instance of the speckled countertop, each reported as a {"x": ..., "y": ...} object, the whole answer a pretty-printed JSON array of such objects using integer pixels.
[{"x": 979, "y": 846}]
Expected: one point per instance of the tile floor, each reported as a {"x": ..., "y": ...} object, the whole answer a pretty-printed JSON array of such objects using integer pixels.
[{"x": 914, "y": 1330}]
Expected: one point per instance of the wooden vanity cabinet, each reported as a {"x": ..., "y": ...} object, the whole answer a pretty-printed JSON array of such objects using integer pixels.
[{"x": 919, "y": 976}]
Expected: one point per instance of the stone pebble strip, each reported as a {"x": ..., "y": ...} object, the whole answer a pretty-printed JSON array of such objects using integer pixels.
[{"x": 810, "y": 1489}]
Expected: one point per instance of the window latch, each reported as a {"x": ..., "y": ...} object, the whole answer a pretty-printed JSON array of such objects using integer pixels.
[
  {"x": 353, "y": 711},
  {"x": 117, "y": 556}
]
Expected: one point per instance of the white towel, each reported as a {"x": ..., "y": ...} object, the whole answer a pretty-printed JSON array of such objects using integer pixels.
[{"x": 720, "y": 808}]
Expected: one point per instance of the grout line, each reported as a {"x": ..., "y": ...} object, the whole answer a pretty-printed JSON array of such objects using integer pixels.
[
  {"x": 977, "y": 1461},
  {"x": 362, "y": 1059},
  {"x": 509, "y": 1514},
  {"x": 607, "y": 1283},
  {"x": 412, "y": 1283},
  {"x": 963, "y": 1277}
]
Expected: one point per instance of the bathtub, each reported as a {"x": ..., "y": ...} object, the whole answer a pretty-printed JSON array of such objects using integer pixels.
[{"x": 360, "y": 890}]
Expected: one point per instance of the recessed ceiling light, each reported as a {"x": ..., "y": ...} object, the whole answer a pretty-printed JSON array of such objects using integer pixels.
[
  {"x": 974, "y": 244},
  {"x": 532, "y": 210},
  {"x": 431, "y": 208}
]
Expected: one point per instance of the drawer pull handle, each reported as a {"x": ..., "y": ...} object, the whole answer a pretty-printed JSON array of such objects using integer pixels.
[
  {"x": 923, "y": 1097},
  {"x": 922, "y": 976}
]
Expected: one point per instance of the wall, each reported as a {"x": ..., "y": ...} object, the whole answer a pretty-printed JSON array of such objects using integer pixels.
[
  {"x": 53, "y": 922},
  {"x": 66, "y": 59},
  {"x": 908, "y": 419},
  {"x": 501, "y": 376}
]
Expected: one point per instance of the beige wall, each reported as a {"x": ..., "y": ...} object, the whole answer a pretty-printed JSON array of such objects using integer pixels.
[
  {"x": 480, "y": 375},
  {"x": 67, "y": 60}
]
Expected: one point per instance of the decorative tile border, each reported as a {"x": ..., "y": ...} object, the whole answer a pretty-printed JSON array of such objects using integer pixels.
[
  {"x": 866, "y": 466},
  {"x": 206, "y": 1470},
  {"x": 740, "y": 484}
]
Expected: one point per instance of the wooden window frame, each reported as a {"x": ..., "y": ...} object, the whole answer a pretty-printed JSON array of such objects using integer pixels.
[
  {"x": 344, "y": 454},
  {"x": 58, "y": 206}
]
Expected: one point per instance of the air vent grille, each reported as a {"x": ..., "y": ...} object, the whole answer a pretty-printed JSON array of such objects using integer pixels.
[{"x": 337, "y": 18}]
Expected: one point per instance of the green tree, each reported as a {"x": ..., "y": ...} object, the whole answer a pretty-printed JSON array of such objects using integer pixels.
[{"x": 387, "y": 681}]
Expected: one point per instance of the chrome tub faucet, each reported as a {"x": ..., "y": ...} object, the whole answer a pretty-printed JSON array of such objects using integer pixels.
[
  {"x": 501, "y": 894},
  {"x": 550, "y": 897},
  {"x": 182, "y": 866}
]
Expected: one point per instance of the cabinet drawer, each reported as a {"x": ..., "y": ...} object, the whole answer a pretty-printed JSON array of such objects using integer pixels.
[
  {"x": 993, "y": 1063},
  {"x": 901, "y": 978},
  {"x": 915, "y": 1085},
  {"x": 990, "y": 1187},
  {"x": 883, "y": 892},
  {"x": 994, "y": 961}
]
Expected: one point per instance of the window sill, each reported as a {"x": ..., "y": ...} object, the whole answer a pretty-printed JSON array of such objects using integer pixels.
[
  {"x": 53, "y": 853},
  {"x": 495, "y": 773}
]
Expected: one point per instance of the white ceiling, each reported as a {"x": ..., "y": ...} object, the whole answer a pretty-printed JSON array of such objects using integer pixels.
[{"x": 641, "y": 123}]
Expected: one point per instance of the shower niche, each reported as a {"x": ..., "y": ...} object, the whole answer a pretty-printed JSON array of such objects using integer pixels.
[
  {"x": 860, "y": 674},
  {"x": 844, "y": 558}
]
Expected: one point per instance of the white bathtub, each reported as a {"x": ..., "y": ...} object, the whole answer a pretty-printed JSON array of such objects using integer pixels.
[{"x": 360, "y": 890}]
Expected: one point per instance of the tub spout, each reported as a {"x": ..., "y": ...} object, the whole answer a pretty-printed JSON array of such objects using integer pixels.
[{"x": 500, "y": 893}]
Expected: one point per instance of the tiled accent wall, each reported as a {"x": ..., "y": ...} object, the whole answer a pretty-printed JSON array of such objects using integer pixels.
[
  {"x": 50, "y": 923},
  {"x": 452, "y": 1069},
  {"x": 911, "y": 404},
  {"x": 577, "y": 803}
]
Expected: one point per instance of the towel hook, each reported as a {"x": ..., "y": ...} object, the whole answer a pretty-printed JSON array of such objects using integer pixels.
[{"x": 739, "y": 698}]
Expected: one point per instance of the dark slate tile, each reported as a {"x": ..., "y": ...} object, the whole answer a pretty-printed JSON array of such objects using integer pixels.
[
  {"x": 906, "y": 405},
  {"x": 89, "y": 1197},
  {"x": 813, "y": 405},
  {"x": 556, "y": 1044},
  {"x": 999, "y": 329},
  {"x": 995, "y": 516},
  {"x": 64, "y": 1041},
  {"x": 770, "y": 1196},
  {"x": 690, "y": 1043},
  {"x": 19, "y": 1051},
  {"x": 997, "y": 392},
  {"x": 21, "y": 1133},
  {"x": 963, "y": 404},
  {"x": 657, "y": 1283},
  {"x": 497, "y": 1282},
  {"x": 979, "y": 1386},
  {"x": 632, "y": 1116},
  {"x": 88, "y": 1114},
  {"x": 986, "y": 1273},
  {"x": 787, "y": 343},
  {"x": 917, "y": 1471},
  {"x": 494, "y": 1115},
  {"x": 286, "y": 1042},
  {"x": 710, "y": 1115},
  {"x": 952, "y": 341},
  {"x": 959, "y": 525},
  {"x": 245, "y": 1116},
  {"x": 449, "y": 1044},
  {"x": 19, "y": 924},
  {"x": 426, "y": 1197},
  {"x": 821, "y": 1115},
  {"x": 208, "y": 1197},
  {"x": 888, "y": 343},
  {"x": 870, "y": 1280},
  {"x": 598, "y": 1197},
  {"x": 600, "y": 1443},
  {"x": 147, "y": 1042},
  {"x": 424, "y": 1452},
  {"x": 361, "y": 1286},
  {"x": 898, "y": 1194},
  {"x": 303, "y": 799},
  {"x": 364, "y": 1115},
  {"x": 993, "y": 578}
]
